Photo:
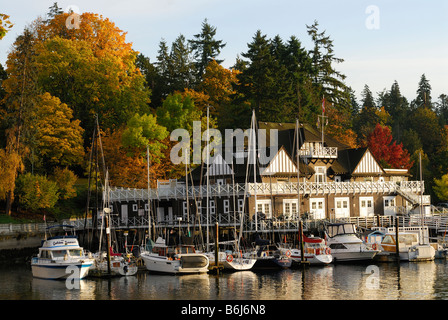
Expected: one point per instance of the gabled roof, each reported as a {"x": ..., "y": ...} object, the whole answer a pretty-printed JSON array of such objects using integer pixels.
[
  {"x": 357, "y": 162},
  {"x": 287, "y": 136}
]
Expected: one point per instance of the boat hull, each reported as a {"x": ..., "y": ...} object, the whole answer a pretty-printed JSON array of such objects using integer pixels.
[
  {"x": 347, "y": 255},
  {"x": 183, "y": 264},
  {"x": 273, "y": 263},
  {"x": 60, "y": 271}
]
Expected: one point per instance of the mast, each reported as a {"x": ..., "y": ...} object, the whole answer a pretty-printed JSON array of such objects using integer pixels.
[
  {"x": 149, "y": 197},
  {"x": 208, "y": 179},
  {"x": 421, "y": 198},
  {"x": 254, "y": 156}
]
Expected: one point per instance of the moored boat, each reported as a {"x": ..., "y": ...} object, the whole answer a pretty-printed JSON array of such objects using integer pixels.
[
  {"x": 345, "y": 245},
  {"x": 61, "y": 257},
  {"x": 409, "y": 248},
  {"x": 315, "y": 251},
  {"x": 179, "y": 259}
]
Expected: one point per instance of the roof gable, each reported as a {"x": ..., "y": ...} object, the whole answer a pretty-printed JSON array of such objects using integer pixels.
[
  {"x": 368, "y": 165},
  {"x": 280, "y": 164}
]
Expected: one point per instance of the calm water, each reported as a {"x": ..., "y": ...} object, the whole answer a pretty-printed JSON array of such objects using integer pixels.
[{"x": 389, "y": 281}]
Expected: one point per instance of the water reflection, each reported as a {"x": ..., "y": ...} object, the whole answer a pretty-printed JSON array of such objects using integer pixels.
[{"x": 403, "y": 281}]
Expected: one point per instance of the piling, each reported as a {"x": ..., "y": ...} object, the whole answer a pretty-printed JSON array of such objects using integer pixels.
[
  {"x": 397, "y": 247},
  {"x": 217, "y": 267},
  {"x": 303, "y": 262}
]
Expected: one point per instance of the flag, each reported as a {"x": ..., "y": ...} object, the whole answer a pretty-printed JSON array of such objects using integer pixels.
[{"x": 323, "y": 105}]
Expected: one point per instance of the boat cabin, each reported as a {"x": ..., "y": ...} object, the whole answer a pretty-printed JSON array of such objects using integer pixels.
[
  {"x": 338, "y": 229},
  {"x": 405, "y": 240}
]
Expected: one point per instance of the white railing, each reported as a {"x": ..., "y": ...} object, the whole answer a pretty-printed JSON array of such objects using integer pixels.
[
  {"x": 322, "y": 152},
  {"x": 312, "y": 188}
]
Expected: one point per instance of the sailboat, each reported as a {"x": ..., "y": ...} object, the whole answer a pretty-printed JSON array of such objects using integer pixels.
[
  {"x": 163, "y": 257},
  {"x": 267, "y": 254},
  {"x": 107, "y": 263},
  {"x": 231, "y": 257}
]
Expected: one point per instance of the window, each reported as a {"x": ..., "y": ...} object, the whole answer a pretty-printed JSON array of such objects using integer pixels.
[
  {"x": 320, "y": 174},
  {"x": 134, "y": 207},
  {"x": 212, "y": 206},
  {"x": 185, "y": 208},
  {"x": 240, "y": 205},
  {"x": 264, "y": 206},
  {"x": 290, "y": 207},
  {"x": 226, "y": 205}
]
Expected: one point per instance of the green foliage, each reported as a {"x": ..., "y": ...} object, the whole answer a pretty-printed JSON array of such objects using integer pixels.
[
  {"x": 143, "y": 131},
  {"x": 178, "y": 112},
  {"x": 65, "y": 180},
  {"x": 441, "y": 187},
  {"x": 36, "y": 192}
]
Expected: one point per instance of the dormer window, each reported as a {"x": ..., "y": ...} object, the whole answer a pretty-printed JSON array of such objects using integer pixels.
[{"x": 321, "y": 174}]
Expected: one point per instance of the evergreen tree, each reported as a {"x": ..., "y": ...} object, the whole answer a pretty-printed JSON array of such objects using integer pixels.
[
  {"x": 205, "y": 47},
  {"x": 366, "y": 120},
  {"x": 327, "y": 81},
  {"x": 256, "y": 81},
  {"x": 423, "y": 99},
  {"x": 183, "y": 65},
  {"x": 398, "y": 108}
]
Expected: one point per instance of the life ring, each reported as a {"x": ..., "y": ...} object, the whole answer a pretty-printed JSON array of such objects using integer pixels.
[
  {"x": 288, "y": 253},
  {"x": 375, "y": 246},
  {"x": 229, "y": 258},
  {"x": 317, "y": 251},
  {"x": 327, "y": 250}
]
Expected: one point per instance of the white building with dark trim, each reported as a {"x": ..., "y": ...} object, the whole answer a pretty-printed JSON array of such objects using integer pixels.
[{"x": 334, "y": 182}]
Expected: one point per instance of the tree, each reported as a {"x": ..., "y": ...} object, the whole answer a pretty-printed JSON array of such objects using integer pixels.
[
  {"x": 423, "y": 99},
  {"x": 65, "y": 180},
  {"x": 5, "y": 25},
  {"x": 178, "y": 112},
  {"x": 182, "y": 64},
  {"x": 441, "y": 187},
  {"x": 329, "y": 81},
  {"x": 142, "y": 131},
  {"x": 205, "y": 47},
  {"x": 90, "y": 83},
  {"x": 256, "y": 81},
  {"x": 388, "y": 153},
  {"x": 58, "y": 138},
  {"x": 36, "y": 192},
  {"x": 366, "y": 120},
  {"x": 398, "y": 108}
]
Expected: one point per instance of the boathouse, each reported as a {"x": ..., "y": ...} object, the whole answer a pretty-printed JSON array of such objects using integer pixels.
[{"x": 321, "y": 179}]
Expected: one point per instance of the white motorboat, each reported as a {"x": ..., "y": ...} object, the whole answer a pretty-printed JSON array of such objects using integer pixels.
[
  {"x": 232, "y": 261},
  {"x": 181, "y": 259},
  {"x": 61, "y": 257},
  {"x": 409, "y": 247},
  {"x": 345, "y": 244},
  {"x": 315, "y": 251}
]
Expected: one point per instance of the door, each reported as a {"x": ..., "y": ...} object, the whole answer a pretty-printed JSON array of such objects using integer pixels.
[
  {"x": 160, "y": 214},
  {"x": 366, "y": 207},
  {"x": 124, "y": 213},
  {"x": 389, "y": 206},
  {"x": 317, "y": 208},
  {"x": 341, "y": 207}
]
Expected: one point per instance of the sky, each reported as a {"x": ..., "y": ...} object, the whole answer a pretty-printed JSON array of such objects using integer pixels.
[{"x": 381, "y": 41}]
